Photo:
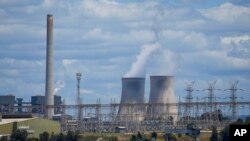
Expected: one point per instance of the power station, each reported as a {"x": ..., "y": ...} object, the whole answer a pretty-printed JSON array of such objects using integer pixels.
[{"x": 133, "y": 112}]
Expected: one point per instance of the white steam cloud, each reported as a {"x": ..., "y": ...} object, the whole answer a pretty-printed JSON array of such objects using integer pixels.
[
  {"x": 59, "y": 85},
  {"x": 164, "y": 61},
  {"x": 138, "y": 67}
]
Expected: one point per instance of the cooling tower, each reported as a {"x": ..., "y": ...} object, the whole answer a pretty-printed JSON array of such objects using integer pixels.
[
  {"x": 161, "y": 91},
  {"x": 49, "y": 86},
  {"x": 132, "y": 92}
]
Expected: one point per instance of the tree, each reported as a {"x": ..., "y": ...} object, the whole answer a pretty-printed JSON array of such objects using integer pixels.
[
  {"x": 224, "y": 134},
  {"x": 170, "y": 137},
  {"x": 154, "y": 135},
  {"x": 214, "y": 136},
  {"x": 44, "y": 136},
  {"x": 77, "y": 136},
  {"x": 70, "y": 136},
  {"x": 191, "y": 126},
  {"x": 133, "y": 138},
  {"x": 52, "y": 137},
  {"x": 139, "y": 136},
  {"x": 20, "y": 135},
  {"x": 32, "y": 139},
  {"x": 247, "y": 120},
  {"x": 239, "y": 121},
  {"x": 4, "y": 138},
  {"x": 60, "y": 137}
]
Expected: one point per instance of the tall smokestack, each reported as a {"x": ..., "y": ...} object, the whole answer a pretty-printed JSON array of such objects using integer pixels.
[{"x": 49, "y": 88}]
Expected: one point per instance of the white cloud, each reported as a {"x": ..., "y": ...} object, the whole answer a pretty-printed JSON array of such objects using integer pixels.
[
  {"x": 100, "y": 38},
  {"x": 234, "y": 39},
  {"x": 237, "y": 46},
  {"x": 212, "y": 62},
  {"x": 196, "y": 40},
  {"x": 179, "y": 40},
  {"x": 86, "y": 91},
  {"x": 97, "y": 33},
  {"x": 49, "y": 3},
  {"x": 68, "y": 62},
  {"x": 21, "y": 64},
  {"x": 228, "y": 13}
]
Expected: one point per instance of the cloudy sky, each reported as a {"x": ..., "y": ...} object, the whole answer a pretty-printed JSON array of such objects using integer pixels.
[{"x": 105, "y": 40}]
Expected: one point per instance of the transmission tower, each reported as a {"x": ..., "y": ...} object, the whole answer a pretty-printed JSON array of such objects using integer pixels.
[
  {"x": 233, "y": 98},
  {"x": 98, "y": 114},
  {"x": 211, "y": 97},
  {"x": 189, "y": 97}
]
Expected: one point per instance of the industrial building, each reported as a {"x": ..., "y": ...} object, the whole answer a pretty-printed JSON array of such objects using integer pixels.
[
  {"x": 38, "y": 102},
  {"x": 7, "y": 103}
]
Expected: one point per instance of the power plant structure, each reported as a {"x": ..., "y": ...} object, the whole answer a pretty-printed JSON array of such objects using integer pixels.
[
  {"x": 106, "y": 117},
  {"x": 78, "y": 98},
  {"x": 49, "y": 86},
  {"x": 132, "y": 113},
  {"x": 162, "y": 91},
  {"x": 133, "y": 90}
]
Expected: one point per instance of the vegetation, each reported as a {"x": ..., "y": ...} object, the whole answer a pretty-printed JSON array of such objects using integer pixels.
[
  {"x": 19, "y": 135},
  {"x": 224, "y": 134},
  {"x": 171, "y": 137},
  {"x": 37, "y": 124},
  {"x": 247, "y": 120},
  {"x": 214, "y": 136},
  {"x": 3, "y": 138},
  {"x": 94, "y": 137}
]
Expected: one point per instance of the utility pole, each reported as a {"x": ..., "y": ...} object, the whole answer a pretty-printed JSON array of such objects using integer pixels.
[
  {"x": 189, "y": 98},
  {"x": 79, "y": 102}
]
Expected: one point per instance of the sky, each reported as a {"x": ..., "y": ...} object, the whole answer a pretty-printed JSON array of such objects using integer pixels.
[{"x": 105, "y": 40}]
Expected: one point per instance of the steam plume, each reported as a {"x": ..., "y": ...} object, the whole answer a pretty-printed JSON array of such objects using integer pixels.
[
  {"x": 138, "y": 67},
  {"x": 59, "y": 85}
]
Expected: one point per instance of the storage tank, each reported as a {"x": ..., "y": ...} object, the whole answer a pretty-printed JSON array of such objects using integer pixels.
[
  {"x": 133, "y": 90},
  {"x": 161, "y": 91}
]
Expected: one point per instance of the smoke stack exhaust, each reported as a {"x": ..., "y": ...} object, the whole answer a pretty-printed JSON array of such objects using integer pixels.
[{"x": 49, "y": 88}]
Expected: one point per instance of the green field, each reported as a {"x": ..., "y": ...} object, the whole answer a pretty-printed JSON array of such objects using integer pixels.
[{"x": 39, "y": 125}]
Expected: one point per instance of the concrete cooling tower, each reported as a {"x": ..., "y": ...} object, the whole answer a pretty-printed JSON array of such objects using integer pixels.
[
  {"x": 161, "y": 91},
  {"x": 133, "y": 90}
]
